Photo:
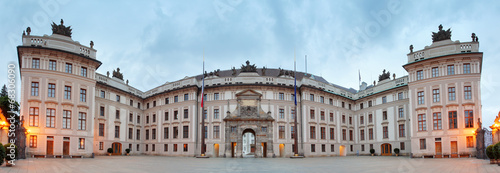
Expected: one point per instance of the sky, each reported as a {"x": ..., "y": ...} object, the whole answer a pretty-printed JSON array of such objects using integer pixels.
[{"x": 154, "y": 42}]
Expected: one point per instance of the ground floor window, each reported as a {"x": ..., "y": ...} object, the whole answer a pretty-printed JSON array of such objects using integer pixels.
[
  {"x": 33, "y": 141},
  {"x": 323, "y": 148},
  {"x": 351, "y": 148},
  {"x": 137, "y": 148},
  {"x": 371, "y": 146},
  {"x": 130, "y": 146},
  {"x": 313, "y": 148},
  {"x": 147, "y": 147},
  {"x": 362, "y": 147},
  {"x": 422, "y": 144},
  {"x": 402, "y": 146},
  {"x": 165, "y": 147},
  {"x": 175, "y": 147},
  {"x": 185, "y": 147},
  {"x": 153, "y": 147},
  {"x": 81, "y": 144},
  {"x": 101, "y": 145},
  {"x": 332, "y": 148},
  {"x": 470, "y": 142}
]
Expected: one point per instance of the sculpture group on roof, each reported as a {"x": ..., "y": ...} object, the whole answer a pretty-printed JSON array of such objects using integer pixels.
[
  {"x": 61, "y": 29},
  {"x": 441, "y": 34}
]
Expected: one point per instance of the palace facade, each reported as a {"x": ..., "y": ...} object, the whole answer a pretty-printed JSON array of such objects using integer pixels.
[{"x": 71, "y": 110}]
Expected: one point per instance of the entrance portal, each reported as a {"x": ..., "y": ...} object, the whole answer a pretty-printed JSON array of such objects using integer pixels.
[
  {"x": 248, "y": 143},
  {"x": 386, "y": 149},
  {"x": 342, "y": 150},
  {"x": 438, "y": 150},
  {"x": 282, "y": 150},
  {"x": 117, "y": 148},
  {"x": 216, "y": 150}
]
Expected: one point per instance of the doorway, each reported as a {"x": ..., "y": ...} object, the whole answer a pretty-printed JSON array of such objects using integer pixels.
[
  {"x": 248, "y": 143},
  {"x": 342, "y": 150},
  {"x": 439, "y": 151},
  {"x": 216, "y": 150},
  {"x": 264, "y": 149},
  {"x": 454, "y": 149},
  {"x": 233, "y": 149},
  {"x": 282, "y": 150},
  {"x": 66, "y": 146},
  {"x": 117, "y": 148},
  {"x": 50, "y": 145},
  {"x": 386, "y": 149}
]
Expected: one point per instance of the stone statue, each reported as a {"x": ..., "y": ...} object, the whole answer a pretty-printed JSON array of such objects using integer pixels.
[
  {"x": 473, "y": 36},
  {"x": 373, "y": 83},
  {"x": 394, "y": 76},
  {"x": 477, "y": 39},
  {"x": 248, "y": 67},
  {"x": 91, "y": 44},
  {"x": 263, "y": 70},
  {"x": 441, "y": 34},
  {"x": 117, "y": 74},
  {"x": 479, "y": 124},
  {"x": 234, "y": 71},
  {"x": 107, "y": 73},
  {"x": 411, "y": 48},
  {"x": 24, "y": 33},
  {"x": 127, "y": 81},
  {"x": 384, "y": 75},
  {"x": 28, "y": 30},
  {"x": 61, "y": 29}
]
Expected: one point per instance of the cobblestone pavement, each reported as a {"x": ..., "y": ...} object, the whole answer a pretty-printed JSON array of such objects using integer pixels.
[{"x": 187, "y": 164}]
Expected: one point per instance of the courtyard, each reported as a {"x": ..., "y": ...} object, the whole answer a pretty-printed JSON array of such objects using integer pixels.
[{"x": 189, "y": 164}]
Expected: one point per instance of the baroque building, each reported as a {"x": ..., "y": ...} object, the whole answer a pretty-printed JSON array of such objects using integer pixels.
[{"x": 71, "y": 110}]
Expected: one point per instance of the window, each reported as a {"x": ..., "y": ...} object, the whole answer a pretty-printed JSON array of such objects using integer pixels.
[
  {"x": 69, "y": 68},
  {"x": 370, "y": 103},
  {"x": 384, "y": 99},
  {"x": 52, "y": 90},
  {"x": 166, "y": 100},
  {"x": 313, "y": 148},
  {"x": 154, "y": 103},
  {"x": 332, "y": 133},
  {"x": 362, "y": 147},
  {"x": 362, "y": 134},
  {"x": 332, "y": 148},
  {"x": 186, "y": 113},
  {"x": 370, "y": 134},
  {"x": 343, "y": 104},
  {"x": 451, "y": 69},
  {"x": 175, "y": 147},
  {"x": 216, "y": 113},
  {"x": 451, "y": 93},
  {"x": 435, "y": 72},
  {"x": 350, "y": 120},
  {"x": 165, "y": 147},
  {"x": 138, "y": 119},
  {"x": 154, "y": 118},
  {"x": 205, "y": 114},
  {"x": 322, "y": 115},
  {"x": 421, "y": 122},
  {"x": 51, "y": 118},
  {"x": 331, "y": 117},
  {"x": 313, "y": 132},
  {"x": 147, "y": 134},
  {"x": 206, "y": 132},
  {"x": 370, "y": 118},
  {"x": 466, "y": 68},
  {"x": 323, "y": 132},
  {"x": 312, "y": 113},
  {"x": 216, "y": 132},
  {"x": 349, "y": 106},
  {"x": 67, "y": 92},
  {"x": 83, "y": 72},
  {"x": 130, "y": 133},
  {"x": 384, "y": 115},
  {"x": 281, "y": 96},
  {"x": 185, "y": 132},
  {"x": 176, "y": 99},
  {"x": 35, "y": 63},
  {"x": 117, "y": 114},
  {"x": 103, "y": 94},
  {"x": 361, "y": 106},
  {"x": 282, "y": 113},
  {"x": 385, "y": 132},
  {"x": 452, "y": 118},
  {"x": 147, "y": 119},
  {"x": 186, "y": 97},
  {"x": 33, "y": 141},
  {"x": 420, "y": 75},
  {"x": 165, "y": 133},
  {"x": 153, "y": 147},
  {"x": 293, "y": 114},
  {"x": 147, "y": 147},
  {"x": 139, "y": 105},
  {"x": 83, "y": 95},
  {"x": 153, "y": 134},
  {"x": 101, "y": 111},
  {"x": 344, "y": 135},
  {"x": 82, "y": 121},
  {"x": 400, "y": 96},
  {"x": 33, "y": 117},
  {"x": 118, "y": 98},
  {"x": 311, "y": 97},
  {"x": 34, "y": 88},
  {"x": 402, "y": 145},
  {"x": 52, "y": 65},
  {"x": 322, "y": 99},
  {"x": 166, "y": 116},
  {"x": 469, "y": 119},
  {"x": 331, "y": 101},
  {"x": 131, "y": 117},
  {"x": 467, "y": 93},
  {"x": 216, "y": 96},
  {"x": 101, "y": 129},
  {"x": 420, "y": 96},
  {"x": 435, "y": 95},
  {"x": 292, "y": 132},
  {"x": 233, "y": 129},
  {"x": 361, "y": 120},
  {"x": 437, "y": 120},
  {"x": 401, "y": 112},
  {"x": 422, "y": 144},
  {"x": 101, "y": 146},
  {"x": 470, "y": 141},
  {"x": 281, "y": 130},
  {"x": 401, "y": 130},
  {"x": 81, "y": 144},
  {"x": 343, "y": 119},
  {"x": 138, "y": 136},
  {"x": 185, "y": 147},
  {"x": 176, "y": 115},
  {"x": 117, "y": 131}
]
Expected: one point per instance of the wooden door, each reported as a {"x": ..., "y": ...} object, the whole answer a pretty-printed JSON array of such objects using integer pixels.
[
  {"x": 117, "y": 148},
  {"x": 216, "y": 150},
  {"x": 264, "y": 149},
  {"x": 282, "y": 150},
  {"x": 386, "y": 149},
  {"x": 66, "y": 148},
  {"x": 439, "y": 152},
  {"x": 233, "y": 147},
  {"x": 454, "y": 149},
  {"x": 50, "y": 148}
]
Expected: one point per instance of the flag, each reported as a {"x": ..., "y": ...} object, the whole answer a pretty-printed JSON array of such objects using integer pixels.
[
  {"x": 295, "y": 78},
  {"x": 203, "y": 82}
]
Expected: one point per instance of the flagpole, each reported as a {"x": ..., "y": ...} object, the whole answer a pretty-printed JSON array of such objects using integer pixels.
[
  {"x": 295, "y": 100},
  {"x": 203, "y": 108}
]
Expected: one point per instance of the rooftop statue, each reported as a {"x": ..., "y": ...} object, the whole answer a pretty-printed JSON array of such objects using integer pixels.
[
  {"x": 441, "y": 34},
  {"x": 117, "y": 74},
  {"x": 61, "y": 29},
  {"x": 248, "y": 67},
  {"x": 384, "y": 75}
]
